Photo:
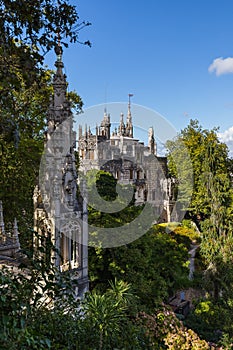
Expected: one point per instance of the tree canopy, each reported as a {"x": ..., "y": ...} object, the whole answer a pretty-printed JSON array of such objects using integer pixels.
[
  {"x": 210, "y": 168},
  {"x": 28, "y": 30}
]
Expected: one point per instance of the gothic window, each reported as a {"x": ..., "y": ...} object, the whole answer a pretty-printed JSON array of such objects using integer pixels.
[
  {"x": 118, "y": 174},
  {"x": 153, "y": 195},
  {"x": 64, "y": 248},
  {"x": 91, "y": 154},
  {"x": 131, "y": 174},
  {"x": 73, "y": 250},
  {"x": 82, "y": 154}
]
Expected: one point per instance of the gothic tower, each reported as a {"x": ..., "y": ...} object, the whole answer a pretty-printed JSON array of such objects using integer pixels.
[{"x": 59, "y": 215}]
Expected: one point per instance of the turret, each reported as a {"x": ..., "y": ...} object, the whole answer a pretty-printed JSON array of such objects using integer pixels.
[
  {"x": 121, "y": 129},
  {"x": 105, "y": 126},
  {"x": 151, "y": 141}
]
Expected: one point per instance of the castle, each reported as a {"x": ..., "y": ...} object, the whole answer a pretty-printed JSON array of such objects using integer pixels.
[
  {"x": 60, "y": 207},
  {"x": 129, "y": 161}
]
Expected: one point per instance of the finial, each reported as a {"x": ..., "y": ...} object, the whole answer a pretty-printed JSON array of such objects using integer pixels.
[
  {"x": 151, "y": 132},
  {"x": 16, "y": 233},
  {"x": 86, "y": 130},
  {"x": 58, "y": 47},
  {"x": 129, "y": 104},
  {"x": 151, "y": 141},
  {"x": 129, "y": 125},
  {"x": 80, "y": 131},
  {"x": 15, "y": 227}
]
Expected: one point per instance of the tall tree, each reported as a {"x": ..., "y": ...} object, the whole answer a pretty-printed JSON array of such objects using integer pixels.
[
  {"x": 212, "y": 200},
  {"x": 208, "y": 159},
  {"x": 28, "y": 30}
]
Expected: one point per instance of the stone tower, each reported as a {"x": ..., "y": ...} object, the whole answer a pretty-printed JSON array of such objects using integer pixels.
[{"x": 59, "y": 214}]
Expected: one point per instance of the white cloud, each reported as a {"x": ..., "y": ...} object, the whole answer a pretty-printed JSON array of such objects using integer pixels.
[
  {"x": 227, "y": 137},
  {"x": 221, "y": 66}
]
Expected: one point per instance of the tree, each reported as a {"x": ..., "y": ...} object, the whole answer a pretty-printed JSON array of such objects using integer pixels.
[
  {"x": 209, "y": 162},
  {"x": 39, "y": 311},
  {"x": 28, "y": 31},
  {"x": 153, "y": 276},
  {"x": 30, "y": 293},
  {"x": 212, "y": 209},
  {"x": 107, "y": 312}
]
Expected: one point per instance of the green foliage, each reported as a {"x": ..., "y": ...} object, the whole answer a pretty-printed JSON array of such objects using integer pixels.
[
  {"x": 180, "y": 168},
  {"x": 185, "y": 231},
  {"x": 212, "y": 201},
  {"x": 209, "y": 161},
  {"x": 106, "y": 312},
  {"x": 104, "y": 182},
  {"x": 212, "y": 209},
  {"x": 38, "y": 311},
  {"x": 153, "y": 275},
  {"x": 27, "y": 295},
  {"x": 211, "y": 320},
  {"x": 28, "y": 31}
]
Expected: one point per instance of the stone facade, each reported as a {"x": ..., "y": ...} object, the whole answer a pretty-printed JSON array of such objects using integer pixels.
[
  {"x": 59, "y": 215},
  {"x": 129, "y": 161}
]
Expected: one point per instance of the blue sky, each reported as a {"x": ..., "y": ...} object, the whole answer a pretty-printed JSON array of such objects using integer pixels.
[{"x": 175, "y": 56}]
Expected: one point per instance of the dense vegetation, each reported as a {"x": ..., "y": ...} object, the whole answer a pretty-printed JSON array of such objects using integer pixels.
[
  {"x": 127, "y": 307},
  {"x": 211, "y": 208}
]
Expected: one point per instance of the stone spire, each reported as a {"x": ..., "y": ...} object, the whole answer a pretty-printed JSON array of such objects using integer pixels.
[
  {"x": 60, "y": 107},
  {"x": 121, "y": 129},
  {"x": 151, "y": 141},
  {"x": 129, "y": 124}
]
